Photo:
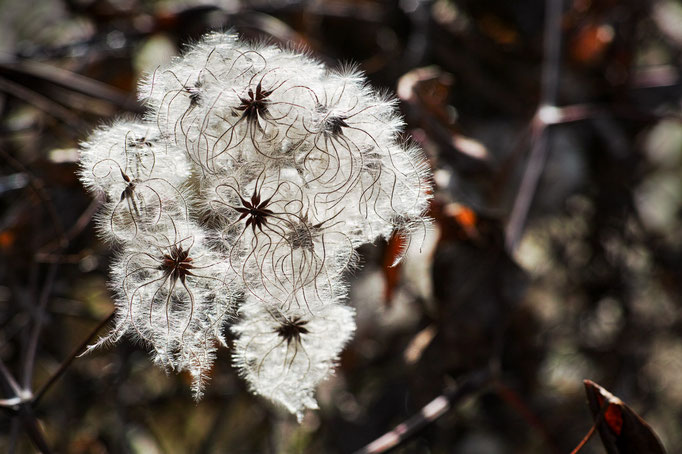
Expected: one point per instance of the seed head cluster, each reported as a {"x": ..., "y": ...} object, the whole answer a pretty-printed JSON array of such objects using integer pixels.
[{"x": 237, "y": 203}]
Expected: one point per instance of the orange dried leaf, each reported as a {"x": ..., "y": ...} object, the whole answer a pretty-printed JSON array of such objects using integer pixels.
[
  {"x": 395, "y": 248},
  {"x": 6, "y": 239}
]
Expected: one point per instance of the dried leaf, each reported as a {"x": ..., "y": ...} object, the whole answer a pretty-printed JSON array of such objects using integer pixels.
[
  {"x": 623, "y": 431},
  {"x": 394, "y": 250}
]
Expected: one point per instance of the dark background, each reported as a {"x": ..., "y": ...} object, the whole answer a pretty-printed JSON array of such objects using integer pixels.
[{"x": 585, "y": 284}]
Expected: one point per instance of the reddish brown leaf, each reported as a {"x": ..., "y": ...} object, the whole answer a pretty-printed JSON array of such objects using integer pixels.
[
  {"x": 590, "y": 43},
  {"x": 396, "y": 245},
  {"x": 614, "y": 419},
  {"x": 497, "y": 30},
  {"x": 623, "y": 431}
]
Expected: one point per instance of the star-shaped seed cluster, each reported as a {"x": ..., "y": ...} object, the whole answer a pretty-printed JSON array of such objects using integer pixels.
[{"x": 237, "y": 202}]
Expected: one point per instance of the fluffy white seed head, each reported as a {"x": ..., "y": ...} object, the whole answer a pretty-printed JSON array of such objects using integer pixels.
[
  {"x": 141, "y": 176},
  {"x": 173, "y": 294},
  {"x": 254, "y": 175},
  {"x": 284, "y": 353}
]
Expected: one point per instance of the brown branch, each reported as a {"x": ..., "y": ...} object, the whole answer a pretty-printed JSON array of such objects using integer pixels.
[
  {"x": 43, "y": 103},
  {"x": 9, "y": 380},
  {"x": 67, "y": 362},
  {"x": 23, "y": 402},
  {"x": 472, "y": 384},
  {"x": 29, "y": 360},
  {"x": 45, "y": 253},
  {"x": 593, "y": 429},
  {"x": 33, "y": 430},
  {"x": 539, "y": 135},
  {"x": 15, "y": 428},
  {"x": 36, "y": 184},
  {"x": 72, "y": 81},
  {"x": 512, "y": 398}
]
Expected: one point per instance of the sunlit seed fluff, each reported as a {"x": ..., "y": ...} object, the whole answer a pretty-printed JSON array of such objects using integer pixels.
[
  {"x": 284, "y": 353},
  {"x": 132, "y": 149},
  {"x": 256, "y": 172},
  {"x": 173, "y": 294},
  {"x": 141, "y": 176},
  {"x": 228, "y": 100}
]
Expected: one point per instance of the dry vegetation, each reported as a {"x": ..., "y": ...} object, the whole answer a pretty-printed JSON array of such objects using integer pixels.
[{"x": 554, "y": 132}]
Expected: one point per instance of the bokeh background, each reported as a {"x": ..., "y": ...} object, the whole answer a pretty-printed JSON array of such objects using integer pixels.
[{"x": 554, "y": 129}]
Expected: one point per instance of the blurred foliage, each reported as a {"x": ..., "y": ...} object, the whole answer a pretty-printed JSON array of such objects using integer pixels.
[{"x": 591, "y": 292}]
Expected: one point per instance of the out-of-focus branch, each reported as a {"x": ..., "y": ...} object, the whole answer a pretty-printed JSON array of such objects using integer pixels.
[
  {"x": 539, "y": 131},
  {"x": 43, "y": 103},
  {"x": 67, "y": 362},
  {"x": 45, "y": 254},
  {"x": 33, "y": 430},
  {"x": 29, "y": 359},
  {"x": 36, "y": 184},
  {"x": 71, "y": 81},
  {"x": 23, "y": 401},
  {"x": 472, "y": 384},
  {"x": 517, "y": 403},
  {"x": 9, "y": 380},
  {"x": 592, "y": 430}
]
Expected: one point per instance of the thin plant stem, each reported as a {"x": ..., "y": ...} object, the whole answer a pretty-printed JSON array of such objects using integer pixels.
[
  {"x": 29, "y": 361},
  {"x": 539, "y": 130},
  {"x": 592, "y": 430},
  {"x": 511, "y": 397},
  {"x": 71, "y": 81},
  {"x": 429, "y": 413},
  {"x": 33, "y": 430},
  {"x": 37, "y": 185},
  {"x": 9, "y": 379},
  {"x": 67, "y": 362},
  {"x": 15, "y": 427},
  {"x": 43, "y": 103}
]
